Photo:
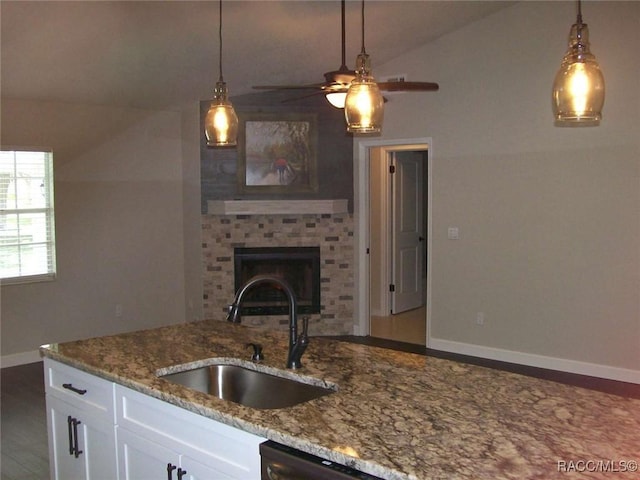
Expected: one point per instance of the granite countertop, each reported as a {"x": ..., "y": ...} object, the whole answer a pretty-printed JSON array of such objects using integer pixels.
[{"x": 395, "y": 415}]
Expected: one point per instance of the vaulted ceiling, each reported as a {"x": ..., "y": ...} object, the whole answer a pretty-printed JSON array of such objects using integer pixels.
[{"x": 163, "y": 54}]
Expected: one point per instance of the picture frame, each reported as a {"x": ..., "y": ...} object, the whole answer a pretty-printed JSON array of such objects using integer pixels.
[{"x": 277, "y": 153}]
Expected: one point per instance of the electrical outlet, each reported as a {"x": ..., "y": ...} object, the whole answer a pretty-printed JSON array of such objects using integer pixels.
[
  {"x": 480, "y": 318},
  {"x": 118, "y": 310},
  {"x": 453, "y": 233}
]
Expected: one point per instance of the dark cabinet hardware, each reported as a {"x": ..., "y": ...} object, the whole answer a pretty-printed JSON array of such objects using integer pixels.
[
  {"x": 72, "y": 427},
  {"x": 421, "y": 239},
  {"x": 170, "y": 469},
  {"x": 69, "y": 386},
  {"x": 181, "y": 473},
  {"x": 76, "y": 449}
]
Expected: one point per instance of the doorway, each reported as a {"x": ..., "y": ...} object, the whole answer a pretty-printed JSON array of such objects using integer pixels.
[{"x": 393, "y": 225}]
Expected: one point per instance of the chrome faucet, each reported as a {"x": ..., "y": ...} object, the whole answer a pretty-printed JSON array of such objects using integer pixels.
[{"x": 297, "y": 343}]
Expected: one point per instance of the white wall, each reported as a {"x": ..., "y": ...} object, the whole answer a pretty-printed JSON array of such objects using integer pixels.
[
  {"x": 192, "y": 225},
  {"x": 549, "y": 217},
  {"x": 119, "y": 224}
]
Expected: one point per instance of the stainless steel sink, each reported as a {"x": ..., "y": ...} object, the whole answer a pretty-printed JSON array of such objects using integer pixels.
[{"x": 247, "y": 387}]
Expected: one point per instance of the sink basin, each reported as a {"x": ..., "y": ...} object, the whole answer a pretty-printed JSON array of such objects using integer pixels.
[{"x": 247, "y": 387}]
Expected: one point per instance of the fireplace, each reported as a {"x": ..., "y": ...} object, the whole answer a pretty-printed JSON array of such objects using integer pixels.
[{"x": 298, "y": 266}]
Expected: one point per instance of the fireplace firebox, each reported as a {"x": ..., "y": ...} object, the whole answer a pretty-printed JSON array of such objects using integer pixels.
[{"x": 298, "y": 266}]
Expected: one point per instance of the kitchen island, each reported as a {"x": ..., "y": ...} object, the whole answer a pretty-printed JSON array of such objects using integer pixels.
[{"x": 395, "y": 415}]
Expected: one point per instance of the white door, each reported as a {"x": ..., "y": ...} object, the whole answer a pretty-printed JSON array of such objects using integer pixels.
[{"x": 407, "y": 228}]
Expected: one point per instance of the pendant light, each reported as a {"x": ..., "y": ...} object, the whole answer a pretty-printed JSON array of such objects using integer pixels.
[
  {"x": 578, "y": 89},
  {"x": 221, "y": 122},
  {"x": 364, "y": 105}
]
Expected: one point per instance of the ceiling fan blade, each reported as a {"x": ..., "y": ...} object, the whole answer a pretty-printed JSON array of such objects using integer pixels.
[
  {"x": 309, "y": 95},
  {"x": 408, "y": 86},
  {"x": 289, "y": 87}
]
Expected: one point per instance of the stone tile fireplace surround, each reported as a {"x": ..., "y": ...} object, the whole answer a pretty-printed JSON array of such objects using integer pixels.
[{"x": 332, "y": 232}]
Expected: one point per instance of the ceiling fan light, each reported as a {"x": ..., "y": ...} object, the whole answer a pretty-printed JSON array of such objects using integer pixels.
[
  {"x": 221, "y": 121},
  {"x": 364, "y": 104},
  {"x": 578, "y": 87},
  {"x": 337, "y": 99}
]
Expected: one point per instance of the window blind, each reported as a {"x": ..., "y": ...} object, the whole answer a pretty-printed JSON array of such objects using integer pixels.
[{"x": 27, "y": 226}]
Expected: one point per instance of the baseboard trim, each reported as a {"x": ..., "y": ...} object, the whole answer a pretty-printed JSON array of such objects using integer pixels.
[
  {"x": 540, "y": 361},
  {"x": 22, "y": 358}
]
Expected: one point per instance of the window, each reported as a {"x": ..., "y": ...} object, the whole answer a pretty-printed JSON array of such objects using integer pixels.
[{"x": 27, "y": 240}]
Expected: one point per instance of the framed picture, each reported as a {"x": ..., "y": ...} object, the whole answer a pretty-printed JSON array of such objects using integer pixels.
[{"x": 277, "y": 153}]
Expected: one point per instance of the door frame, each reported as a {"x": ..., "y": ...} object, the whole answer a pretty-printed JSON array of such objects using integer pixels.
[{"x": 361, "y": 219}]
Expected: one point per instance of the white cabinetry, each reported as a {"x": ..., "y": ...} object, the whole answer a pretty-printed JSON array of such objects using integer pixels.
[
  {"x": 157, "y": 440},
  {"x": 80, "y": 418},
  {"x": 144, "y": 458},
  {"x": 99, "y": 430}
]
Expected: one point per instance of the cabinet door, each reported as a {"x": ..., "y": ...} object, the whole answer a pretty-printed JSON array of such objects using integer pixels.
[
  {"x": 142, "y": 459},
  {"x": 63, "y": 462},
  {"x": 80, "y": 447},
  {"x": 195, "y": 470},
  {"x": 97, "y": 440},
  {"x": 225, "y": 451}
]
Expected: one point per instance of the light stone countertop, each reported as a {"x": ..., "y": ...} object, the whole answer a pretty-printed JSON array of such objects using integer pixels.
[{"x": 395, "y": 415}]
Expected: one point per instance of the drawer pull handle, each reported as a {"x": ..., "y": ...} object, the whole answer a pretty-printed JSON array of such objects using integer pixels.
[
  {"x": 76, "y": 448},
  {"x": 72, "y": 425},
  {"x": 69, "y": 386},
  {"x": 70, "y": 429}
]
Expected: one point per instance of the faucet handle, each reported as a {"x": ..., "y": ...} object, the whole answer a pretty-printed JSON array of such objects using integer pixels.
[
  {"x": 233, "y": 313},
  {"x": 298, "y": 348},
  {"x": 257, "y": 355}
]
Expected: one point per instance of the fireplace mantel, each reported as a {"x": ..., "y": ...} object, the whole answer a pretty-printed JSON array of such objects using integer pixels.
[{"x": 276, "y": 207}]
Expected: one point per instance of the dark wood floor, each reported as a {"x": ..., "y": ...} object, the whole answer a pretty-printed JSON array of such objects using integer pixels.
[{"x": 23, "y": 436}]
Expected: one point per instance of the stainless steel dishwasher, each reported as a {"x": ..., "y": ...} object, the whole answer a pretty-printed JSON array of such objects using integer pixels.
[{"x": 280, "y": 462}]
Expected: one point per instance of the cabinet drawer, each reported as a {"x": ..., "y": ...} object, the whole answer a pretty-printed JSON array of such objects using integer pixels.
[
  {"x": 92, "y": 394},
  {"x": 233, "y": 452}
]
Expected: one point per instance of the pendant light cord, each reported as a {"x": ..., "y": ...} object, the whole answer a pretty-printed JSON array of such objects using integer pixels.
[
  {"x": 579, "y": 21},
  {"x": 579, "y": 11},
  {"x": 344, "y": 38},
  {"x": 220, "y": 41},
  {"x": 363, "y": 51}
]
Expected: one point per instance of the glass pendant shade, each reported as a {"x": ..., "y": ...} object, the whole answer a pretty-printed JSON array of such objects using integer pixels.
[
  {"x": 336, "y": 99},
  {"x": 578, "y": 89},
  {"x": 364, "y": 105},
  {"x": 221, "y": 122}
]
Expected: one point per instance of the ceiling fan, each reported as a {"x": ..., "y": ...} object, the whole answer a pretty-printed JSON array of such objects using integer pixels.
[{"x": 337, "y": 82}]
